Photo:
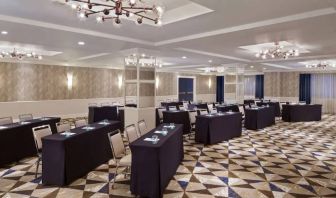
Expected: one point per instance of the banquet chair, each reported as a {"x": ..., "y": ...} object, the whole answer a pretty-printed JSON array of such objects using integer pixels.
[
  {"x": 61, "y": 127},
  {"x": 6, "y": 120},
  {"x": 39, "y": 133},
  {"x": 210, "y": 107},
  {"x": 119, "y": 153},
  {"x": 142, "y": 127},
  {"x": 203, "y": 112},
  {"x": 182, "y": 108},
  {"x": 192, "y": 118},
  {"x": 131, "y": 133},
  {"x": 80, "y": 123},
  {"x": 213, "y": 110},
  {"x": 160, "y": 111},
  {"x": 25, "y": 117}
]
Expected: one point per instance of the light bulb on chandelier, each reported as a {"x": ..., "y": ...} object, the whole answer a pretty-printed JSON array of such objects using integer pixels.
[{"x": 277, "y": 52}]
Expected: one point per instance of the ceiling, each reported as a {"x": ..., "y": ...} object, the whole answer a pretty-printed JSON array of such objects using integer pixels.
[{"x": 200, "y": 30}]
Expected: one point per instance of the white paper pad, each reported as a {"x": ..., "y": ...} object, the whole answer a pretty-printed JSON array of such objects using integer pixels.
[
  {"x": 88, "y": 128},
  {"x": 24, "y": 122},
  {"x": 160, "y": 132},
  {"x": 171, "y": 127},
  {"x": 150, "y": 140},
  {"x": 3, "y": 127},
  {"x": 104, "y": 123},
  {"x": 67, "y": 133},
  {"x": 44, "y": 118}
]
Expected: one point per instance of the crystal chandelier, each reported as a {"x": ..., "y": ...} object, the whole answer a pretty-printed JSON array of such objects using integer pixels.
[
  {"x": 321, "y": 65},
  {"x": 20, "y": 55},
  {"x": 114, "y": 9},
  {"x": 143, "y": 60},
  {"x": 277, "y": 52}
]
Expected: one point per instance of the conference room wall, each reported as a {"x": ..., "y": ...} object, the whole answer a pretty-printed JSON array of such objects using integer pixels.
[{"x": 282, "y": 86}]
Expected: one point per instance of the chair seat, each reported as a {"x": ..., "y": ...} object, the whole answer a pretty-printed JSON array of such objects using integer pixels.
[{"x": 126, "y": 160}]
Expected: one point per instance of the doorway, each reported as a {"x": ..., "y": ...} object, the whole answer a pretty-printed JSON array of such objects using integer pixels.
[{"x": 186, "y": 88}]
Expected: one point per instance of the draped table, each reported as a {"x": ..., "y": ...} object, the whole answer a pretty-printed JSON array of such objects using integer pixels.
[
  {"x": 276, "y": 106},
  {"x": 214, "y": 128},
  {"x": 67, "y": 158},
  {"x": 258, "y": 118},
  {"x": 154, "y": 165},
  {"x": 97, "y": 114},
  {"x": 225, "y": 108},
  {"x": 301, "y": 113},
  {"x": 168, "y": 104},
  {"x": 17, "y": 141},
  {"x": 178, "y": 117}
]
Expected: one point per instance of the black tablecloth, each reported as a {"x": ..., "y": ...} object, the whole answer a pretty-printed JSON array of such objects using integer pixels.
[
  {"x": 218, "y": 128},
  {"x": 168, "y": 104},
  {"x": 154, "y": 165},
  {"x": 259, "y": 118},
  {"x": 65, "y": 159},
  {"x": 249, "y": 102},
  {"x": 178, "y": 117},
  {"x": 202, "y": 106},
  {"x": 301, "y": 113},
  {"x": 97, "y": 114},
  {"x": 17, "y": 141},
  {"x": 225, "y": 108},
  {"x": 276, "y": 106}
]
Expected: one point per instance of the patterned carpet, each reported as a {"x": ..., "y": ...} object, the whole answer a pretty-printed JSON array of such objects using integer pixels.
[{"x": 285, "y": 160}]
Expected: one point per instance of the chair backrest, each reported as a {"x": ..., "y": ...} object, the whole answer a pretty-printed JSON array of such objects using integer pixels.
[
  {"x": 172, "y": 108},
  {"x": 6, "y": 120},
  {"x": 192, "y": 116},
  {"x": 241, "y": 109},
  {"x": 80, "y": 123},
  {"x": 117, "y": 144},
  {"x": 93, "y": 105},
  {"x": 25, "y": 117},
  {"x": 213, "y": 111},
  {"x": 61, "y": 127},
  {"x": 131, "y": 133},
  {"x": 160, "y": 113},
  {"x": 203, "y": 112},
  {"x": 105, "y": 104},
  {"x": 142, "y": 127},
  {"x": 210, "y": 107},
  {"x": 39, "y": 133},
  {"x": 181, "y": 107}
]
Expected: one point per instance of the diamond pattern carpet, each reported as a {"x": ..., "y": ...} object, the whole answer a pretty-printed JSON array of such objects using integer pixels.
[{"x": 285, "y": 160}]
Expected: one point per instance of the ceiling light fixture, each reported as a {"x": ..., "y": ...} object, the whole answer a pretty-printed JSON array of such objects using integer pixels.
[
  {"x": 210, "y": 61},
  {"x": 321, "y": 65},
  {"x": 81, "y": 43},
  {"x": 143, "y": 60},
  {"x": 184, "y": 57},
  {"x": 277, "y": 52},
  {"x": 20, "y": 55},
  {"x": 114, "y": 9},
  {"x": 4, "y": 32}
]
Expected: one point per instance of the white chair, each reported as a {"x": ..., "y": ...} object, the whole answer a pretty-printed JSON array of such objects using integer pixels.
[
  {"x": 119, "y": 153},
  {"x": 182, "y": 108},
  {"x": 192, "y": 117},
  {"x": 210, "y": 107},
  {"x": 131, "y": 133},
  {"x": 61, "y": 127},
  {"x": 142, "y": 127},
  {"x": 172, "y": 108},
  {"x": 80, "y": 123},
  {"x": 213, "y": 111},
  {"x": 160, "y": 111},
  {"x": 25, "y": 117},
  {"x": 39, "y": 133},
  {"x": 6, "y": 120},
  {"x": 241, "y": 109},
  {"x": 203, "y": 112}
]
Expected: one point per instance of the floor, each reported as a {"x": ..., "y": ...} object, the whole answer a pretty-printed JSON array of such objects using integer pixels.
[{"x": 285, "y": 160}]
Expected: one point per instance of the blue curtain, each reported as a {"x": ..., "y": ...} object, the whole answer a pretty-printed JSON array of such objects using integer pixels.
[
  {"x": 259, "y": 91},
  {"x": 220, "y": 89},
  {"x": 304, "y": 93}
]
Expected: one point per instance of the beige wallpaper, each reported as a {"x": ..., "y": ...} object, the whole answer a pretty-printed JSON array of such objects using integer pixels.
[
  {"x": 27, "y": 82},
  {"x": 281, "y": 84}
]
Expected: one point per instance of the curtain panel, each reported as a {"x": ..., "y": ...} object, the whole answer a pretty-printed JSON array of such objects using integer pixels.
[
  {"x": 249, "y": 87},
  {"x": 323, "y": 91},
  {"x": 220, "y": 89},
  {"x": 304, "y": 92},
  {"x": 259, "y": 86}
]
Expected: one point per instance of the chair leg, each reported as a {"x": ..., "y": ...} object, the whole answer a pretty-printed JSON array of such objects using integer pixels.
[
  {"x": 115, "y": 175},
  {"x": 37, "y": 166}
]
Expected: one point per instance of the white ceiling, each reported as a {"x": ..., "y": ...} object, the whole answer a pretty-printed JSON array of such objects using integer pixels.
[{"x": 200, "y": 30}]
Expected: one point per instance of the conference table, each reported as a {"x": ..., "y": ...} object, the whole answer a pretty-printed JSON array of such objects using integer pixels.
[
  {"x": 169, "y": 104},
  {"x": 69, "y": 156},
  {"x": 97, "y": 114},
  {"x": 17, "y": 141},
  {"x": 178, "y": 117},
  {"x": 276, "y": 106},
  {"x": 215, "y": 128},
  {"x": 154, "y": 165},
  {"x": 225, "y": 108},
  {"x": 259, "y": 117},
  {"x": 301, "y": 112}
]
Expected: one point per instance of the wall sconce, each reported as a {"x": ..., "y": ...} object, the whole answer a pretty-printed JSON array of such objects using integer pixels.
[
  {"x": 157, "y": 81},
  {"x": 120, "y": 81},
  {"x": 209, "y": 83},
  {"x": 69, "y": 80}
]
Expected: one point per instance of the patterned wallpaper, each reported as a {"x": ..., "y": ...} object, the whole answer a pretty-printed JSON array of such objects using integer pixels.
[
  {"x": 28, "y": 82},
  {"x": 281, "y": 84}
]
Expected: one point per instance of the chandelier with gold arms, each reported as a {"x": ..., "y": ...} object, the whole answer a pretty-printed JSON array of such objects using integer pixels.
[
  {"x": 321, "y": 65},
  {"x": 278, "y": 51},
  {"x": 19, "y": 55},
  {"x": 114, "y": 9}
]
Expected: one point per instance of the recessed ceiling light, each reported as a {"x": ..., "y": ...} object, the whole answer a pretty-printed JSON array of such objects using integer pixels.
[
  {"x": 210, "y": 61},
  {"x": 81, "y": 43},
  {"x": 251, "y": 66},
  {"x": 4, "y": 32},
  {"x": 264, "y": 68},
  {"x": 184, "y": 57}
]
